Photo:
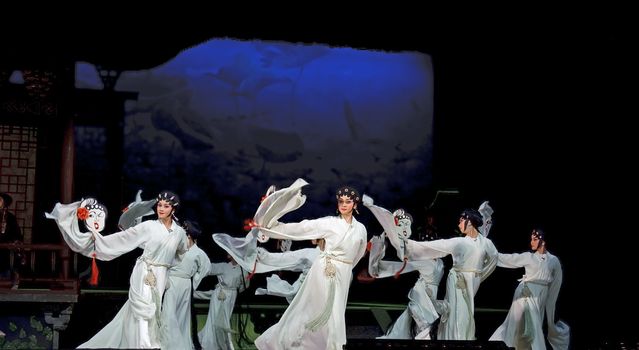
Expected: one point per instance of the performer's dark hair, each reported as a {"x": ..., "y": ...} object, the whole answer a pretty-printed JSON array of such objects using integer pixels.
[{"x": 473, "y": 216}]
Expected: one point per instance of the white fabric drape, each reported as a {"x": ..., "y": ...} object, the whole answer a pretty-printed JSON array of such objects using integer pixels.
[
  {"x": 535, "y": 296},
  {"x": 137, "y": 323}
]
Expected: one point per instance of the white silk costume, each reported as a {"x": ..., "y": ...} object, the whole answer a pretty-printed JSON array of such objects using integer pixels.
[
  {"x": 137, "y": 323},
  {"x": 474, "y": 259},
  {"x": 416, "y": 321},
  {"x": 535, "y": 296},
  {"x": 176, "y": 303},
  {"x": 315, "y": 319}
]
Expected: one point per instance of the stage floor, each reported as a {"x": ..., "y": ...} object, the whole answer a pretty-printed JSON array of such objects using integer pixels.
[
  {"x": 365, "y": 321},
  {"x": 96, "y": 308}
]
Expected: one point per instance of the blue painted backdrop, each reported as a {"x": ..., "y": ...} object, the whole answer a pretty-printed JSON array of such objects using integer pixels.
[{"x": 225, "y": 119}]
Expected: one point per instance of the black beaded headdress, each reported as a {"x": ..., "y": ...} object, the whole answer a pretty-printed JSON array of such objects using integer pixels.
[
  {"x": 170, "y": 197},
  {"x": 539, "y": 233},
  {"x": 349, "y": 192}
]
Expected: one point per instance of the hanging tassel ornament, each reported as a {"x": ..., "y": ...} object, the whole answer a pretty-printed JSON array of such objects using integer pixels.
[
  {"x": 252, "y": 273},
  {"x": 93, "y": 281},
  {"x": 402, "y": 269}
]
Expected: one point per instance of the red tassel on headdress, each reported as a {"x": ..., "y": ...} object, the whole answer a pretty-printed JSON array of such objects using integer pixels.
[
  {"x": 94, "y": 273},
  {"x": 402, "y": 269},
  {"x": 369, "y": 245},
  {"x": 252, "y": 272}
]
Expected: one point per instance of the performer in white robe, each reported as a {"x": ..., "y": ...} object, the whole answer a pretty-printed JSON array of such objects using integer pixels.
[
  {"x": 315, "y": 319},
  {"x": 417, "y": 320},
  {"x": 420, "y": 315},
  {"x": 263, "y": 261},
  {"x": 474, "y": 259},
  {"x": 184, "y": 278},
  {"x": 232, "y": 279},
  {"x": 137, "y": 323},
  {"x": 535, "y": 296}
]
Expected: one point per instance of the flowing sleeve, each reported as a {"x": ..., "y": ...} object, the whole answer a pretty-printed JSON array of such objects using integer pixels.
[
  {"x": 376, "y": 254},
  {"x": 295, "y": 260},
  {"x": 105, "y": 247},
  {"x": 277, "y": 287},
  {"x": 243, "y": 250},
  {"x": 558, "y": 332},
  {"x": 386, "y": 219},
  {"x": 116, "y": 244},
  {"x": 135, "y": 212},
  {"x": 486, "y": 212},
  {"x": 280, "y": 202},
  {"x": 298, "y": 231},
  {"x": 382, "y": 215},
  {"x": 65, "y": 216},
  {"x": 513, "y": 261},
  {"x": 431, "y": 249}
]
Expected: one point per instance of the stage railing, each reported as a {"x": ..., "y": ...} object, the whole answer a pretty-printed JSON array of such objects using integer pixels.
[{"x": 40, "y": 266}]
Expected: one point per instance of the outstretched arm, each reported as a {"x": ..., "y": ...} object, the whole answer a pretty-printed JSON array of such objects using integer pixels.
[
  {"x": 430, "y": 249},
  {"x": 86, "y": 243},
  {"x": 293, "y": 260},
  {"x": 386, "y": 219},
  {"x": 298, "y": 231},
  {"x": 513, "y": 261},
  {"x": 116, "y": 244}
]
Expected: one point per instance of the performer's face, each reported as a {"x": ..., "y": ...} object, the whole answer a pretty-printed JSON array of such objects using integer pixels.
[
  {"x": 164, "y": 209},
  {"x": 463, "y": 225},
  {"x": 345, "y": 205},
  {"x": 96, "y": 219},
  {"x": 535, "y": 243}
]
